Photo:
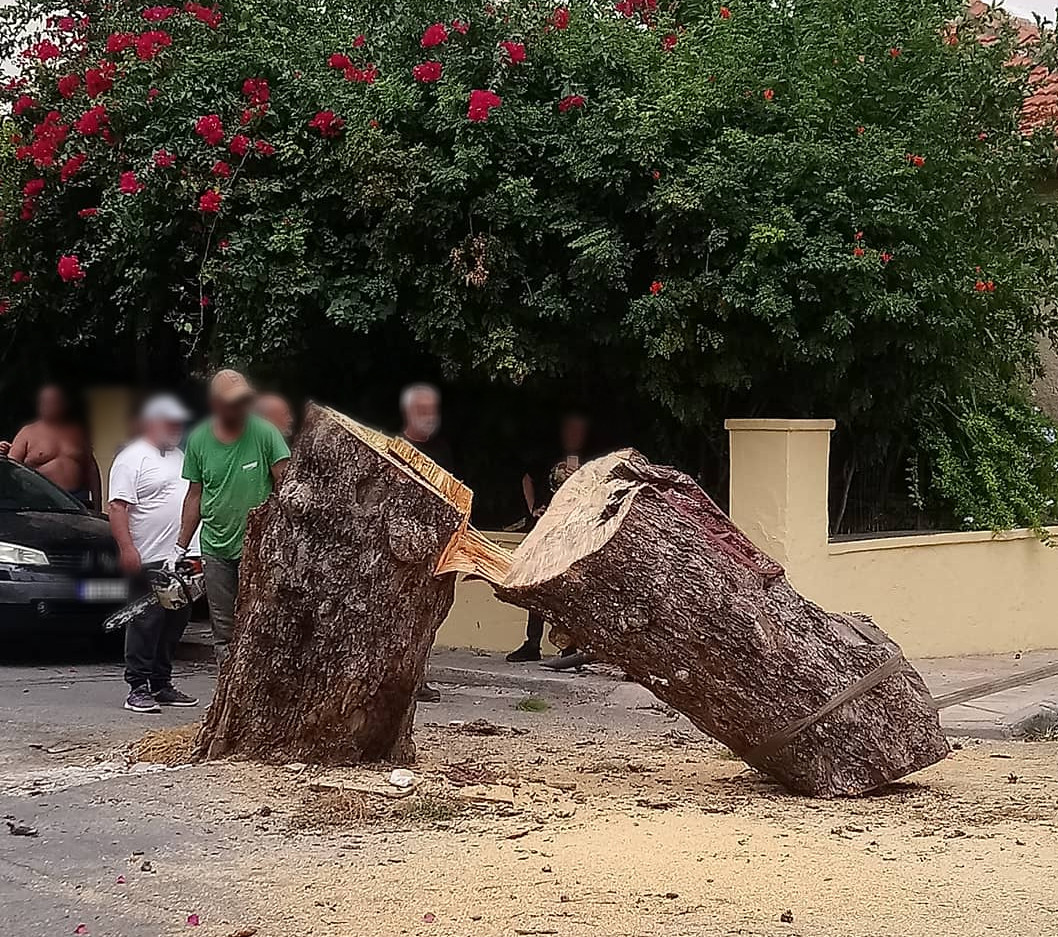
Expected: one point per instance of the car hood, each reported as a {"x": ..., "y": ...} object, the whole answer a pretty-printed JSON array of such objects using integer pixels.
[{"x": 53, "y": 530}]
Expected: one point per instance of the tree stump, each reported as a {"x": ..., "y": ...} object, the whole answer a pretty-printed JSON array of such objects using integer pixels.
[
  {"x": 646, "y": 572},
  {"x": 338, "y": 602}
]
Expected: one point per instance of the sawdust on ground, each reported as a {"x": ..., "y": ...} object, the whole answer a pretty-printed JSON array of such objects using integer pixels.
[{"x": 541, "y": 834}]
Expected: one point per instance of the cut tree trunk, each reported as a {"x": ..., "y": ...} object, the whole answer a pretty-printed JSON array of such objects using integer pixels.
[
  {"x": 639, "y": 565},
  {"x": 338, "y": 602}
]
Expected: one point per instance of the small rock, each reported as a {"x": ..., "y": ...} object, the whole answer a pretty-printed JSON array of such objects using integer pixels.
[
  {"x": 20, "y": 829},
  {"x": 786, "y": 917},
  {"x": 402, "y": 778},
  {"x": 146, "y": 866},
  {"x": 429, "y": 917},
  {"x": 671, "y": 895}
]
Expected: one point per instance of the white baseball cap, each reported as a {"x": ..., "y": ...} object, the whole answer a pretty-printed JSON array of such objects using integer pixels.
[{"x": 164, "y": 407}]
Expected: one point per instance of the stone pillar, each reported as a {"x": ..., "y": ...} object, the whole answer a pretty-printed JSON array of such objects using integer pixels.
[{"x": 779, "y": 486}]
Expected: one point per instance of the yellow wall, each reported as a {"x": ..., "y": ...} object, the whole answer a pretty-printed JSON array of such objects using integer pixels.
[
  {"x": 109, "y": 413},
  {"x": 937, "y": 594}
]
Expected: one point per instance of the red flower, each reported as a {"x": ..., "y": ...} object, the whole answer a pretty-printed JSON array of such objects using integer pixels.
[
  {"x": 23, "y": 104},
  {"x": 339, "y": 60},
  {"x": 858, "y": 251},
  {"x": 327, "y": 123},
  {"x": 68, "y": 85},
  {"x": 44, "y": 51},
  {"x": 210, "y": 128},
  {"x": 20, "y": 276},
  {"x": 515, "y": 51},
  {"x": 33, "y": 188},
  {"x": 158, "y": 14},
  {"x": 769, "y": 94},
  {"x": 150, "y": 43},
  {"x": 88, "y": 213},
  {"x": 240, "y": 144},
  {"x": 264, "y": 147},
  {"x": 367, "y": 75},
  {"x": 917, "y": 161},
  {"x": 990, "y": 286},
  {"x": 129, "y": 184},
  {"x": 668, "y": 42},
  {"x": 5, "y": 307},
  {"x": 153, "y": 93},
  {"x": 460, "y": 27},
  {"x": 725, "y": 13},
  {"x": 569, "y": 102},
  {"x": 886, "y": 257},
  {"x": 119, "y": 42},
  {"x": 481, "y": 102},
  {"x": 656, "y": 174},
  {"x": 164, "y": 160},
  {"x": 434, "y": 35},
  {"x": 29, "y": 209},
  {"x": 223, "y": 245},
  {"x": 982, "y": 136},
  {"x": 100, "y": 80},
  {"x": 72, "y": 166},
  {"x": 221, "y": 168},
  {"x": 70, "y": 268},
  {"x": 257, "y": 90},
  {"x": 359, "y": 41},
  {"x": 210, "y": 16},
  {"x": 861, "y": 129},
  {"x": 656, "y": 287},
  {"x": 373, "y": 124},
  {"x": 427, "y": 71},
  {"x": 894, "y": 52},
  {"x": 983, "y": 286},
  {"x": 858, "y": 236},
  {"x": 559, "y": 17},
  {"x": 209, "y": 201}
]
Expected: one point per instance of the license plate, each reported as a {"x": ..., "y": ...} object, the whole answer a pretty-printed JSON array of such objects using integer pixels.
[{"x": 103, "y": 590}]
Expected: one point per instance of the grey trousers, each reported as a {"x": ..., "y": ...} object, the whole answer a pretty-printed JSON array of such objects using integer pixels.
[{"x": 222, "y": 589}]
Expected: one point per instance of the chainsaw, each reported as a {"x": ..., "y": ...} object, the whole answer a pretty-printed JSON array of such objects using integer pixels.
[{"x": 172, "y": 589}]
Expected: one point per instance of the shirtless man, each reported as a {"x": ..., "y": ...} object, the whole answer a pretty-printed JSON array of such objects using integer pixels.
[{"x": 58, "y": 448}]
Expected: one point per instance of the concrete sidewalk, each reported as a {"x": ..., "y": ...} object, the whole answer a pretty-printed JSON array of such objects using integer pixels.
[{"x": 998, "y": 716}]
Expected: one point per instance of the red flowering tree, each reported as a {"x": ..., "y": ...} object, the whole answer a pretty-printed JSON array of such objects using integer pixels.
[{"x": 738, "y": 209}]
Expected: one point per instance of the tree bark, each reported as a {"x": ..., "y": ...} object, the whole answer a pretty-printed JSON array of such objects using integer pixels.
[
  {"x": 646, "y": 572},
  {"x": 338, "y": 602}
]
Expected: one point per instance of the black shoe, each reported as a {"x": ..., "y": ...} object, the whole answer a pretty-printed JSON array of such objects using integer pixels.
[
  {"x": 428, "y": 694},
  {"x": 527, "y": 652},
  {"x": 170, "y": 696},
  {"x": 140, "y": 701}
]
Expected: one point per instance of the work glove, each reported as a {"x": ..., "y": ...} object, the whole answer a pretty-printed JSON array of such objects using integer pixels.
[{"x": 177, "y": 556}]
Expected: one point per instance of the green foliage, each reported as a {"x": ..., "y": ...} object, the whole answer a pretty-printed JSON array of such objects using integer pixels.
[{"x": 824, "y": 209}]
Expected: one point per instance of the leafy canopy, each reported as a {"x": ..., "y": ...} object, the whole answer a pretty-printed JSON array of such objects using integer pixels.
[{"x": 825, "y": 208}]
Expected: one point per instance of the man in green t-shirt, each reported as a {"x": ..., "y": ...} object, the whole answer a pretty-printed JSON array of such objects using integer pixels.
[{"x": 232, "y": 461}]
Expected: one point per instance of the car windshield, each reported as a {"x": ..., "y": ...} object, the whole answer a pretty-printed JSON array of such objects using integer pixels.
[{"x": 22, "y": 489}]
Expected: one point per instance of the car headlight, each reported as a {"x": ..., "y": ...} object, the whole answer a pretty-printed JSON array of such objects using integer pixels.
[{"x": 22, "y": 556}]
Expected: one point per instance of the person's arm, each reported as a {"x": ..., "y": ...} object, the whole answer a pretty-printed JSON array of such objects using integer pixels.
[
  {"x": 20, "y": 446},
  {"x": 278, "y": 471},
  {"x": 529, "y": 492},
  {"x": 190, "y": 517},
  {"x": 119, "y": 527}
]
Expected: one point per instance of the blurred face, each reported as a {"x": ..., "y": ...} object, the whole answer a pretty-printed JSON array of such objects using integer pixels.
[
  {"x": 51, "y": 405},
  {"x": 573, "y": 433},
  {"x": 165, "y": 434},
  {"x": 423, "y": 414},
  {"x": 277, "y": 411},
  {"x": 231, "y": 415}
]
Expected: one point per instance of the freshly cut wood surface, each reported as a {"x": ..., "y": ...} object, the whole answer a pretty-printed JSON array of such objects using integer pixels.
[
  {"x": 339, "y": 601},
  {"x": 646, "y": 572}
]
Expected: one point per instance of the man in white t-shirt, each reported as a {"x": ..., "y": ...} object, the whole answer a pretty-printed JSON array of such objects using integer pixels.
[{"x": 146, "y": 496}]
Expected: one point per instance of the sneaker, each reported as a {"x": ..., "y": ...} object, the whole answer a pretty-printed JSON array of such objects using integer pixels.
[
  {"x": 140, "y": 701},
  {"x": 527, "y": 652},
  {"x": 170, "y": 696},
  {"x": 428, "y": 694}
]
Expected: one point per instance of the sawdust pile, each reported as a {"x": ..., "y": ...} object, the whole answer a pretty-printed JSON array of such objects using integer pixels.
[{"x": 170, "y": 747}]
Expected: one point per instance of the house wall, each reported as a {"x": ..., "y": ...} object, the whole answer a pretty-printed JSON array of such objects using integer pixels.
[{"x": 944, "y": 594}]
